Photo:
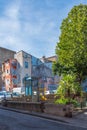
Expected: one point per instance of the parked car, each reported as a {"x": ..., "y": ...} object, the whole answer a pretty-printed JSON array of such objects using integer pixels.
[
  {"x": 15, "y": 94},
  {"x": 2, "y": 96},
  {"x": 8, "y": 95}
]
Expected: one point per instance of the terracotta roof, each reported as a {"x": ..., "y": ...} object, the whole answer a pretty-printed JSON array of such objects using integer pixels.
[{"x": 52, "y": 58}]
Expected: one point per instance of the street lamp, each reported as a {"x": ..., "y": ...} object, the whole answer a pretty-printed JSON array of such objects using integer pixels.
[
  {"x": 36, "y": 86},
  {"x": 38, "y": 90}
]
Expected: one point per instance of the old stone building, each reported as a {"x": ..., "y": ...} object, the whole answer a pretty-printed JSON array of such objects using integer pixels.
[
  {"x": 23, "y": 68},
  {"x": 4, "y": 55}
]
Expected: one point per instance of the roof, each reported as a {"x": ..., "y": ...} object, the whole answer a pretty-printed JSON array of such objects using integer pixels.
[
  {"x": 2, "y": 48},
  {"x": 49, "y": 59},
  {"x": 52, "y": 58}
]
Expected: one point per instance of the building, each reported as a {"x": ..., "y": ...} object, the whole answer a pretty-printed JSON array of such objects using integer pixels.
[
  {"x": 36, "y": 69},
  {"x": 4, "y": 55},
  {"x": 23, "y": 68},
  {"x": 28, "y": 66},
  {"x": 9, "y": 76},
  {"x": 43, "y": 71}
]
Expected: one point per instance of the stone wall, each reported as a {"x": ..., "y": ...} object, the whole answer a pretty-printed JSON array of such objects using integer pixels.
[
  {"x": 48, "y": 108},
  {"x": 58, "y": 109},
  {"x": 27, "y": 106}
]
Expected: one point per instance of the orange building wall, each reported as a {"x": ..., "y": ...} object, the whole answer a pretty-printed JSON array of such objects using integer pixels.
[{"x": 10, "y": 76}]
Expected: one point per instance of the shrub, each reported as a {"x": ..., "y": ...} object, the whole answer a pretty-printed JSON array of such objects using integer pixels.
[{"x": 61, "y": 101}]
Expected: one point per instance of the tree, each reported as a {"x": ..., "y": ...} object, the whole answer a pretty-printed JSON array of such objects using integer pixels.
[
  {"x": 72, "y": 46},
  {"x": 68, "y": 89}
]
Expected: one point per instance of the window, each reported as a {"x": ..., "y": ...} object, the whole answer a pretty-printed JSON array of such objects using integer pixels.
[
  {"x": 13, "y": 71},
  {"x": 26, "y": 75},
  {"x": 26, "y": 64},
  {"x": 18, "y": 65},
  {"x": 7, "y": 81},
  {"x": 14, "y": 81},
  {"x": 19, "y": 78},
  {"x": 7, "y": 71}
]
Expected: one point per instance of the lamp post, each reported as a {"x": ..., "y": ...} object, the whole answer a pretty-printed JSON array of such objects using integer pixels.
[
  {"x": 38, "y": 90},
  {"x": 86, "y": 97},
  {"x": 36, "y": 85},
  {"x": 40, "y": 87}
]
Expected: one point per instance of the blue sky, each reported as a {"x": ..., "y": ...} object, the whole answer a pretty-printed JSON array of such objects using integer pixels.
[{"x": 33, "y": 25}]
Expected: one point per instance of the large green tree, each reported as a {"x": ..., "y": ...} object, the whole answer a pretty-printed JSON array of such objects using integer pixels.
[{"x": 72, "y": 46}]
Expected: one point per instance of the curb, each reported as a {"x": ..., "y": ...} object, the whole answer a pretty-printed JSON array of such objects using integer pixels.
[
  {"x": 34, "y": 114},
  {"x": 42, "y": 115},
  {"x": 79, "y": 112}
]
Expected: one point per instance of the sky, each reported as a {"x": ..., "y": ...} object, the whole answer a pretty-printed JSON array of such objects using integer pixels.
[{"x": 33, "y": 25}]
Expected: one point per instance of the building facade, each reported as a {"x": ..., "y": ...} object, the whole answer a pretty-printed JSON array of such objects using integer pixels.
[
  {"x": 43, "y": 71},
  {"x": 28, "y": 66},
  {"x": 4, "y": 55},
  {"x": 23, "y": 68},
  {"x": 9, "y": 76}
]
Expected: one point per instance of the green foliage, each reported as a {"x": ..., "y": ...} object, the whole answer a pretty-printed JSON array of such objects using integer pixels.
[
  {"x": 68, "y": 86},
  {"x": 71, "y": 49},
  {"x": 68, "y": 83},
  {"x": 61, "y": 101},
  {"x": 66, "y": 101},
  {"x": 74, "y": 102}
]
